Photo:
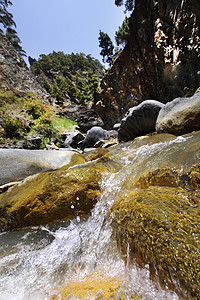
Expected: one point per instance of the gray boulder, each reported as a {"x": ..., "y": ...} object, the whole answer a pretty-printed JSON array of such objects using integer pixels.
[
  {"x": 180, "y": 116},
  {"x": 72, "y": 140},
  {"x": 139, "y": 120},
  {"x": 94, "y": 135}
]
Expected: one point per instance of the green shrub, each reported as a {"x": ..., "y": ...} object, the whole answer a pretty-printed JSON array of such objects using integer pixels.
[{"x": 12, "y": 126}]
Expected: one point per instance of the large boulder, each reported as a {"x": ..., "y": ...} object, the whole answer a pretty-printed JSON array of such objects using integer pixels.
[
  {"x": 182, "y": 115},
  {"x": 17, "y": 164},
  {"x": 139, "y": 120},
  {"x": 94, "y": 135},
  {"x": 159, "y": 217},
  {"x": 51, "y": 196}
]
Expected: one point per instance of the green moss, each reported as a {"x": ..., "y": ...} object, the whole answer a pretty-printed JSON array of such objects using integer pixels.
[
  {"x": 51, "y": 196},
  {"x": 160, "y": 219}
]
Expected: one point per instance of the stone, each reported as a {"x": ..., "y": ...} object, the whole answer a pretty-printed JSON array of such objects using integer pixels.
[
  {"x": 159, "y": 218},
  {"x": 73, "y": 139},
  {"x": 180, "y": 116},
  {"x": 18, "y": 164},
  {"x": 139, "y": 120},
  {"x": 51, "y": 196},
  {"x": 94, "y": 135}
]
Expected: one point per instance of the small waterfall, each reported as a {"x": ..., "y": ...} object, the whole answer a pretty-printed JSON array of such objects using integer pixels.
[{"x": 36, "y": 260}]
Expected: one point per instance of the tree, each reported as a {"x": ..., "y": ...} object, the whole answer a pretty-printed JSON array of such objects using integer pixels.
[
  {"x": 129, "y": 4},
  {"x": 122, "y": 34},
  {"x": 107, "y": 47},
  {"x": 12, "y": 36},
  {"x": 6, "y": 18}
]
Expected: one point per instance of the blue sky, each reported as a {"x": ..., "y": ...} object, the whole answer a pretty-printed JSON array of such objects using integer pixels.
[{"x": 45, "y": 26}]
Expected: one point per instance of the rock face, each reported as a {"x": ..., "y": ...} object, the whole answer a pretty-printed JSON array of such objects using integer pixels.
[
  {"x": 160, "y": 61},
  {"x": 15, "y": 75},
  {"x": 85, "y": 117},
  {"x": 139, "y": 120},
  {"x": 182, "y": 115}
]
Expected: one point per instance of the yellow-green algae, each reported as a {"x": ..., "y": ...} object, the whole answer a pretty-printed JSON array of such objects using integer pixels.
[
  {"x": 95, "y": 286},
  {"x": 160, "y": 219},
  {"x": 51, "y": 196}
]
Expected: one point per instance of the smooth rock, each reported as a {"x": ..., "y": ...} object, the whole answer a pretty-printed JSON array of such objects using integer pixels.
[
  {"x": 16, "y": 164},
  {"x": 94, "y": 135},
  {"x": 180, "y": 116},
  {"x": 139, "y": 120}
]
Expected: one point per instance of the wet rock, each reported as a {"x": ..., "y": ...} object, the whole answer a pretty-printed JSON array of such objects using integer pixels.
[
  {"x": 182, "y": 115},
  {"x": 139, "y": 120},
  {"x": 96, "y": 286},
  {"x": 51, "y": 196},
  {"x": 94, "y": 135},
  {"x": 159, "y": 218},
  {"x": 18, "y": 164}
]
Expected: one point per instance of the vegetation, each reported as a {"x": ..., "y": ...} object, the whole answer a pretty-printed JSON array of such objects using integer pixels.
[
  {"x": 106, "y": 44},
  {"x": 108, "y": 51},
  {"x": 27, "y": 116},
  {"x": 12, "y": 36},
  {"x": 6, "y": 19},
  {"x": 129, "y": 4},
  {"x": 69, "y": 77}
]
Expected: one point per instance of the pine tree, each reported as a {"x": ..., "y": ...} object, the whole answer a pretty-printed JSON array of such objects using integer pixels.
[
  {"x": 6, "y": 18},
  {"x": 12, "y": 36},
  {"x": 129, "y": 4},
  {"x": 107, "y": 47},
  {"x": 122, "y": 34}
]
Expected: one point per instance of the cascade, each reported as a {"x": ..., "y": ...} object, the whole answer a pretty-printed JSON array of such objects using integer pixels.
[{"x": 36, "y": 261}]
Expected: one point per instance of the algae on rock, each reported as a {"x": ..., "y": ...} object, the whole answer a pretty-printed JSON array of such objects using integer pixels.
[
  {"x": 160, "y": 218},
  {"x": 51, "y": 196}
]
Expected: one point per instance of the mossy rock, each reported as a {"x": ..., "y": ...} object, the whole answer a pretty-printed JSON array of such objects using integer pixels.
[
  {"x": 160, "y": 219},
  {"x": 55, "y": 195},
  {"x": 95, "y": 286}
]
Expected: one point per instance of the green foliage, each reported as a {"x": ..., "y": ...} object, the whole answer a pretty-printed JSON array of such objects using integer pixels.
[
  {"x": 78, "y": 79},
  {"x": 129, "y": 4},
  {"x": 12, "y": 36},
  {"x": 107, "y": 47},
  {"x": 11, "y": 126},
  {"x": 122, "y": 34},
  {"x": 6, "y": 18},
  {"x": 67, "y": 64},
  {"x": 64, "y": 125}
]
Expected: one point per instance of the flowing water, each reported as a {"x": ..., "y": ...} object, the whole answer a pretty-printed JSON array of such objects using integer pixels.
[{"x": 36, "y": 260}]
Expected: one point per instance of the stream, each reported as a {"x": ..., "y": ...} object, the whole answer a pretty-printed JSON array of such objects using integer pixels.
[{"x": 35, "y": 261}]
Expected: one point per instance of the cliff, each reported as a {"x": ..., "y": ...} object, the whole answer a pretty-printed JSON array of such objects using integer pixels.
[
  {"x": 160, "y": 61},
  {"x": 14, "y": 73}
]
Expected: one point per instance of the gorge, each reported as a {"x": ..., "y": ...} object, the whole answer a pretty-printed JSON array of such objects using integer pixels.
[{"x": 120, "y": 222}]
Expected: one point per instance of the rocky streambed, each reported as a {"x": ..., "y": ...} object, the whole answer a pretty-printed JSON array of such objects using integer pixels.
[{"x": 126, "y": 223}]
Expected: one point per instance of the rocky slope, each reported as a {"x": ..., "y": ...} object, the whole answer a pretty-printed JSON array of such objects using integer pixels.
[
  {"x": 161, "y": 60},
  {"x": 15, "y": 75}
]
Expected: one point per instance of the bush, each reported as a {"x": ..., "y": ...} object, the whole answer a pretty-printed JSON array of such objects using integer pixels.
[{"x": 12, "y": 126}]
